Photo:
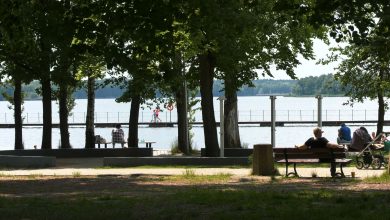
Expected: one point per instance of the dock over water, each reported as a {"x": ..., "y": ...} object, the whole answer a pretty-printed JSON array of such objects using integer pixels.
[{"x": 242, "y": 123}]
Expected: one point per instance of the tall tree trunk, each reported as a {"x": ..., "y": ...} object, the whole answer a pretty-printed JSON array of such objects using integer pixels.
[
  {"x": 47, "y": 121},
  {"x": 231, "y": 129},
  {"x": 182, "y": 121},
  {"x": 18, "y": 115},
  {"x": 64, "y": 113},
  {"x": 133, "y": 121},
  {"x": 206, "y": 65},
  {"x": 381, "y": 105},
  {"x": 90, "y": 119},
  {"x": 381, "y": 113}
]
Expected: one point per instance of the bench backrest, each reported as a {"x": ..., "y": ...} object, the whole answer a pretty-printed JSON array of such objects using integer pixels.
[{"x": 295, "y": 153}]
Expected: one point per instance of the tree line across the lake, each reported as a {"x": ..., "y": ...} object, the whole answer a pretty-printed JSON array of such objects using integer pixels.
[
  {"x": 160, "y": 49},
  {"x": 313, "y": 85}
]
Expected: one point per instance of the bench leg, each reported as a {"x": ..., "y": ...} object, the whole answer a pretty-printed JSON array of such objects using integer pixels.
[
  {"x": 341, "y": 170},
  {"x": 295, "y": 173},
  {"x": 333, "y": 170}
]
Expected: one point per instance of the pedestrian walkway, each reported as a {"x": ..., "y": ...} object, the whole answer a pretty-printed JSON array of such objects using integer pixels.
[{"x": 94, "y": 166}]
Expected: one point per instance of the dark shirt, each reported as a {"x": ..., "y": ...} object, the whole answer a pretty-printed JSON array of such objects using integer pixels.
[{"x": 316, "y": 142}]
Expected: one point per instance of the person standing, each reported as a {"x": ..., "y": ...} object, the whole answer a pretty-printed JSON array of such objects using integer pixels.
[
  {"x": 344, "y": 135},
  {"x": 118, "y": 136}
]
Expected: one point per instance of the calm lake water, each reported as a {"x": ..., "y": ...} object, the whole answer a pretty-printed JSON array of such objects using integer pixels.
[{"x": 255, "y": 108}]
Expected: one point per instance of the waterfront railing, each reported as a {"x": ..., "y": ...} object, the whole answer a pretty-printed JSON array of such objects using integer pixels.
[{"x": 243, "y": 116}]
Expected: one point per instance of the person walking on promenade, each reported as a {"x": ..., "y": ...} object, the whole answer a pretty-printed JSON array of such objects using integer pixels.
[{"x": 156, "y": 113}]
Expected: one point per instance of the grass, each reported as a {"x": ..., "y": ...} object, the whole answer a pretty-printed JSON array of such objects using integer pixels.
[
  {"x": 204, "y": 203},
  {"x": 384, "y": 178},
  {"x": 34, "y": 176},
  {"x": 194, "y": 196},
  {"x": 76, "y": 174},
  {"x": 189, "y": 176},
  {"x": 177, "y": 166}
]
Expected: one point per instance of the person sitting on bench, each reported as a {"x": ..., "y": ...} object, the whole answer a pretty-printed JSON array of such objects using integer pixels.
[
  {"x": 344, "y": 135},
  {"x": 318, "y": 141},
  {"x": 118, "y": 136}
]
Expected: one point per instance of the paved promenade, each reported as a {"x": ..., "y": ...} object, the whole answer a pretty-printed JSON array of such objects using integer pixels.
[{"x": 94, "y": 166}]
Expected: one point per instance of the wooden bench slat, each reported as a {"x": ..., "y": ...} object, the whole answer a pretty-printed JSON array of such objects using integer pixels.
[
  {"x": 309, "y": 156},
  {"x": 343, "y": 161}
]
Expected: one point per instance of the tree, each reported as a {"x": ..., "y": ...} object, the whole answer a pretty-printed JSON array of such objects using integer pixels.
[
  {"x": 14, "y": 42},
  {"x": 235, "y": 38},
  {"x": 66, "y": 58},
  {"x": 365, "y": 70},
  {"x": 92, "y": 67},
  {"x": 365, "y": 62}
]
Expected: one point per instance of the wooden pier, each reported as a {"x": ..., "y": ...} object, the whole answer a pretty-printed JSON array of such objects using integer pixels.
[{"x": 243, "y": 123}]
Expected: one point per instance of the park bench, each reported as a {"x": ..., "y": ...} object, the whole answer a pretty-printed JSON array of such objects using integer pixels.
[
  {"x": 105, "y": 144},
  {"x": 296, "y": 156},
  {"x": 148, "y": 144}
]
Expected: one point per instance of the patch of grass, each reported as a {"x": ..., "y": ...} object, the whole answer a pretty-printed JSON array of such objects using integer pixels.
[
  {"x": 384, "y": 178},
  {"x": 189, "y": 173},
  {"x": 177, "y": 166},
  {"x": 34, "y": 176},
  {"x": 4, "y": 175},
  {"x": 175, "y": 147},
  {"x": 204, "y": 203},
  {"x": 190, "y": 176},
  {"x": 76, "y": 174}
]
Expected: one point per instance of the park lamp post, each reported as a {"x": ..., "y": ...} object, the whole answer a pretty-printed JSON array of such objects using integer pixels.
[
  {"x": 273, "y": 120},
  {"x": 319, "y": 110},
  {"x": 221, "y": 126}
]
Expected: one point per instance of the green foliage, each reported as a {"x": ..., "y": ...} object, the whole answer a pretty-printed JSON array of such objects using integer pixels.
[{"x": 324, "y": 85}]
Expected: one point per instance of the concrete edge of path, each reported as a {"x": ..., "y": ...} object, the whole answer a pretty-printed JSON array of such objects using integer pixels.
[{"x": 27, "y": 161}]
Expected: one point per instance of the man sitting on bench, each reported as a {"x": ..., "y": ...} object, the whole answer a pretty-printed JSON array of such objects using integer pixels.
[
  {"x": 118, "y": 136},
  {"x": 319, "y": 142}
]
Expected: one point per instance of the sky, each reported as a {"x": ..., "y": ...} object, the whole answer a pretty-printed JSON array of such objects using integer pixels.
[{"x": 309, "y": 67}]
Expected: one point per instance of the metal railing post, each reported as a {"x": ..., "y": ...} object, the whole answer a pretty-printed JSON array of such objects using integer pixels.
[
  {"x": 273, "y": 120},
  {"x": 288, "y": 115},
  {"x": 365, "y": 114},
  {"x": 339, "y": 114},
  {"x": 319, "y": 110}
]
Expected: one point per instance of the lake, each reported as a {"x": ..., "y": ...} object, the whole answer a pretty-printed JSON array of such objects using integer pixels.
[{"x": 254, "y": 108}]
